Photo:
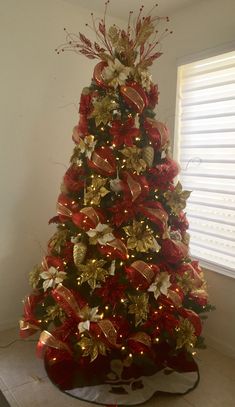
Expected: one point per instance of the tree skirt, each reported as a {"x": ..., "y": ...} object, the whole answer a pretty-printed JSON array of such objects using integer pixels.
[{"x": 123, "y": 391}]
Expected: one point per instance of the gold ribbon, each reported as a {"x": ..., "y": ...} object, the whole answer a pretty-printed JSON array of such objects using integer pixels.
[
  {"x": 144, "y": 269},
  {"x": 102, "y": 163},
  {"x": 159, "y": 214},
  {"x": 141, "y": 337},
  {"x": 63, "y": 210},
  {"x": 134, "y": 97},
  {"x": 162, "y": 129},
  {"x": 64, "y": 295},
  {"x": 44, "y": 263},
  {"x": 118, "y": 245},
  {"x": 109, "y": 331},
  {"x": 26, "y": 326},
  {"x": 47, "y": 339},
  {"x": 134, "y": 186},
  {"x": 91, "y": 214}
]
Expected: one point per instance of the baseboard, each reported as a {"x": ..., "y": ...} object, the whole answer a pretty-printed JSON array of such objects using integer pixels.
[{"x": 220, "y": 346}]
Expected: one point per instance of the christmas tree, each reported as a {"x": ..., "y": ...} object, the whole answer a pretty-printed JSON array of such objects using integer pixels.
[{"x": 117, "y": 297}]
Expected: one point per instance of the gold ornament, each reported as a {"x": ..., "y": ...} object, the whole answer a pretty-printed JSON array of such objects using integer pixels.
[
  {"x": 185, "y": 335},
  {"x": 34, "y": 276},
  {"x": 93, "y": 271},
  {"x": 141, "y": 238},
  {"x": 134, "y": 159},
  {"x": 148, "y": 155},
  {"x": 92, "y": 347},
  {"x": 139, "y": 307},
  {"x": 103, "y": 108},
  {"x": 177, "y": 199},
  {"x": 79, "y": 253},
  {"x": 58, "y": 240},
  {"x": 96, "y": 191}
]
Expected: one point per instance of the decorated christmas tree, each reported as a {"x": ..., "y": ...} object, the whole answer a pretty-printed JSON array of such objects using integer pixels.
[{"x": 117, "y": 298}]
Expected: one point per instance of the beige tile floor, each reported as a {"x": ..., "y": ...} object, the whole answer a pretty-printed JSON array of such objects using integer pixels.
[{"x": 25, "y": 384}]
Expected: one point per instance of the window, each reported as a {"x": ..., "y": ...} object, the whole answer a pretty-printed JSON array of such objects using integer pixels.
[{"x": 205, "y": 148}]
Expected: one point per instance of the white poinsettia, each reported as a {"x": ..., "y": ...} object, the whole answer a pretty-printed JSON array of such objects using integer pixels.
[
  {"x": 160, "y": 285},
  {"x": 102, "y": 234},
  {"x": 52, "y": 278},
  {"x": 88, "y": 315},
  {"x": 116, "y": 73},
  {"x": 116, "y": 185},
  {"x": 146, "y": 79},
  {"x": 87, "y": 145}
]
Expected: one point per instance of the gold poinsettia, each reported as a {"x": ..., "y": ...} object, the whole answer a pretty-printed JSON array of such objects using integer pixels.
[
  {"x": 96, "y": 190},
  {"x": 76, "y": 156},
  {"x": 185, "y": 335},
  {"x": 177, "y": 199},
  {"x": 103, "y": 109},
  {"x": 139, "y": 307},
  {"x": 34, "y": 276},
  {"x": 92, "y": 347},
  {"x": 58, "y": 240},
  {"x": 54, "y": 311},
  {"x": 134, "y": 159},
  {"x": 93, "y": 271},
  {"x": 87, "y": 145},
  {"x": 141, "y": 238}
]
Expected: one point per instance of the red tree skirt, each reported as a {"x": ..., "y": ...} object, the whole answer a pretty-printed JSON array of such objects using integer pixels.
[{"x": 84, "y": 385}]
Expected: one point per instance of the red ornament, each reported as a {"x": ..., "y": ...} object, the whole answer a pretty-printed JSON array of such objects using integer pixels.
[
  {"x": 73, "y": 178},
  {"x": 163, "y": 174},
  {"x": 98, "y": 74},
  {"x": 157, "y": 132},
  {"x": 103, "y": 161},
  {"x": 173, "y": 251},
  {"x": 134, "y": 96}
]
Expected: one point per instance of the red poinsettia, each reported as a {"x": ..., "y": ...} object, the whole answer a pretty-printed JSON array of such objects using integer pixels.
[
  {"x": 124, "y": 132},
  {"x": 153, "y": 96},
  {"x": 180, "y": 222},
  {"x": 112, "y": 291},
  {"x": 163, "y": 174}
]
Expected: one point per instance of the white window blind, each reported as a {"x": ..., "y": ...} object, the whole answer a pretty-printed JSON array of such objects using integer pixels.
[{"x": 205, "y": 147}]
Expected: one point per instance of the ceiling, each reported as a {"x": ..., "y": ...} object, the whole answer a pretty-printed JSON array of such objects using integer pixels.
[{"x": 120, "y": 8}]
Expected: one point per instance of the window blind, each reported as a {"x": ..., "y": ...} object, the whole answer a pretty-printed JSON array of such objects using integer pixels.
[{"x": 206, "y": 151}]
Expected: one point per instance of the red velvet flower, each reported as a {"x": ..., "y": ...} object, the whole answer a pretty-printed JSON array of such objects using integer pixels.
[
  {"x": 73, "y": 178},
  {"x": 83, "y": 125},
  {"x": 112, "y": 291},
  {"x": 153, "y": 96},
  {"x": 124, "y": 132},
  {"x": 85, "y": 104}
]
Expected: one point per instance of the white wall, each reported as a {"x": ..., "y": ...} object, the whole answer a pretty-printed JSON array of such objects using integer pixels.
[
  {"x": 206, "y": 24},
  {"x": 38, "y": 93}
]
